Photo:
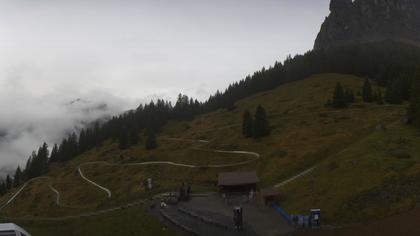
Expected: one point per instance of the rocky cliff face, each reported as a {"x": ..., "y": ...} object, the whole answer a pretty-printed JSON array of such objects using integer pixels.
[{"x": 361, "y": 21}]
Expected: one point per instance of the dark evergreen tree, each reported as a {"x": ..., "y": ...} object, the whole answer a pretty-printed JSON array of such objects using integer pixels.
[
  {"x": 229, "y": 100},
  {"x": 54, "y": 154},
  {"x": 184, "y": 108},
  {"x": 150, "y": 139},
  {"x": 339, "y": 97},
  {"x": 18, "y": 177},
  {"x": 367, "y": 93},
  {"x": 83, "y": 141},
  {"x": 123, "y": 140},
  {"x": 63, "y": 151},
  {"x": 30, "y": 166},
  {"x": 414, "y": 109},
  {"x": 134, "y": 137},
  {"x": 97, "y": 135},
  {"x": 247, "y": 125},
  {"x": 41, "y": 162},
  {"x": 37, "y": 164},
  {"x": 261, "y": 126},
  {"x": 3, "y": 189},
  {"x": 349, "y": 96},
  {"x": 9, "y": 182},
  {"x": 26, "y": 172},
  {"x": 73, "y": 146}
]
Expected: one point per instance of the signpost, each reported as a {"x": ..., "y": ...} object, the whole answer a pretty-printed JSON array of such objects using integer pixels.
[
  {"x": 238, "y": 218},
  {"x": 315, "y": 218}
]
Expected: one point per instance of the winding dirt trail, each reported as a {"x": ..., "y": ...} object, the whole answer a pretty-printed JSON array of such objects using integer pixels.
[
  {"x": 57, "y": 200},
  {"x": 252, "y": 155},
  {"x": 301, "y": 174}
]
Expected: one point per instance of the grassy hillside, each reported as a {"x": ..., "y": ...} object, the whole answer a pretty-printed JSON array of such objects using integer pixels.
[
  {"x": 351, "y": 155},
  {"x": 131, "y": 222},
  {"x": 372, "y": 178}
]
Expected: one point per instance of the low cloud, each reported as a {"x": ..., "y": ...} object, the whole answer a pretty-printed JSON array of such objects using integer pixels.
[{"x": 28, "y": 119}]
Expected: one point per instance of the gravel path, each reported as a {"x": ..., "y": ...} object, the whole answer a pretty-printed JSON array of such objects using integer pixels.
[
  {"x": 295, "y": 177},
  {"x": 87, "y": 214},
  {"x": 57, "y": 200},
  {"x": 254, "y": 157}
]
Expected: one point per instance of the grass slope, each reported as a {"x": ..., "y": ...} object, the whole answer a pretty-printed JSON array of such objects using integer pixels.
[
  {"x": 349, "y": 186},
  {"x": 352, "y": 156},
  {"x": 134, "y": 222}
]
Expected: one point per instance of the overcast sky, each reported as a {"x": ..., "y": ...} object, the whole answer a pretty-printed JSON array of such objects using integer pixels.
[{"x": 122, "y": 52}]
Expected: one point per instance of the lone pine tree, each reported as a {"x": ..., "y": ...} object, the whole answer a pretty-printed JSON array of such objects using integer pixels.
[
  {"x": 261, "y": 127},
  {"x": 247, "y": 125},
  {"x": 339, "y": 97}
]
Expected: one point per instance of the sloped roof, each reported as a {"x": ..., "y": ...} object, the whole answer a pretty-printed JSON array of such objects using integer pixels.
[
  {"x": 269, "y": 192},
  {"x": 237, "y": 178}
]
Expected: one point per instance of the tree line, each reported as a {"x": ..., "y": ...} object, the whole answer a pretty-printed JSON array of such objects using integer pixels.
[
  {"x": 382, "y": 62},
  {"x": 343, "y": 97}
]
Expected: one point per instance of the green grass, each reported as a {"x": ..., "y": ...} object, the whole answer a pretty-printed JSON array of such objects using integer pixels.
[
  {"x": 352, "y": 156},
  {"x": 133, "y": 221},
  {"x": 356, "y": 173}
]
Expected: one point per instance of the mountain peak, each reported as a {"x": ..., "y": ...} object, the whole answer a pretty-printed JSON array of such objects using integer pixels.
[
  {"x": 369, "y": 20},
  {"x": 340, "y": 5}
]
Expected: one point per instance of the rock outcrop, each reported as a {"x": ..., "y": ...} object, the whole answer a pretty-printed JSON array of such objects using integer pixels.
[{"x": 362, "y": 21}]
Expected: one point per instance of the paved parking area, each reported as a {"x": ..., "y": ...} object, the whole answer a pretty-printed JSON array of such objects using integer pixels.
[{"x": 258, "y": 220}]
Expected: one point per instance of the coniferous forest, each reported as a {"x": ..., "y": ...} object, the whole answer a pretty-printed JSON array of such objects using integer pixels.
[{"x": 387, "y": 64}]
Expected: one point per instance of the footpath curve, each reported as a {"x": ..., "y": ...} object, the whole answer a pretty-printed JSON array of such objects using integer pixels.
[
  {"x": 57, "y": 199},
  {"x": 255, "y": 156}
]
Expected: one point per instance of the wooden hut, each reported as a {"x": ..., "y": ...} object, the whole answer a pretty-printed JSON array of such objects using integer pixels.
[{"x": 238, "y": 182}]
